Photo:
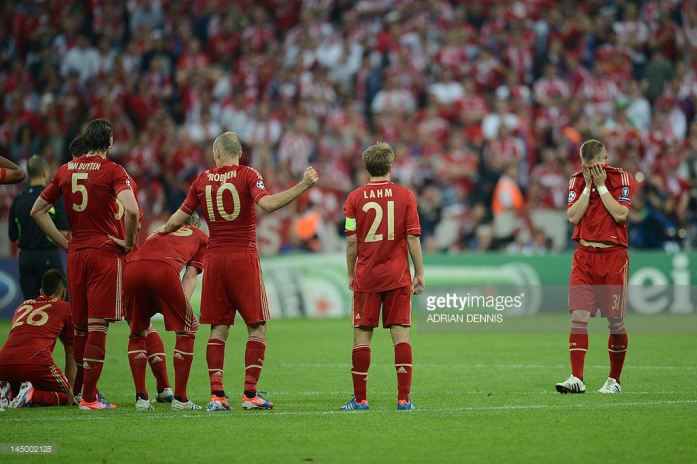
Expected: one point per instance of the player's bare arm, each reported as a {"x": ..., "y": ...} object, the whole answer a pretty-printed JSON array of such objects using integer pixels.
[
  {"x": 617, "y": 211},
  {"x": 576, "y": 211},
  {"x": 418, "y": 283},
  {"x": 351, "y": 256},
  {"x": 40, "y": 214},
  {"x": 278, "y": 200},
  {"x": 70, "y": 370},
  {"x": 189, "y": 281},
  {"x": 10, "y": 173},
  {"x": 178, "y": 219}
]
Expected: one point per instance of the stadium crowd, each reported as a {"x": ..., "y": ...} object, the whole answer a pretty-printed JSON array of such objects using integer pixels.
[{"x": 486, "y": 103}]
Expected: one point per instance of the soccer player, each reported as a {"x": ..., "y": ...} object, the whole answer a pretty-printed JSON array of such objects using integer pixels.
[
  {"x": 382, "y": 226},
  {"x": 10, "y": 173},
  {"x": 154, "y": 346},
  {"x": 26, "y": 361},
  {"x": 233, "y": 281},
  {"x": 600, "y": 197},
  {"x": 89, "y": 185},
  {"x": 151, "y": 285}
]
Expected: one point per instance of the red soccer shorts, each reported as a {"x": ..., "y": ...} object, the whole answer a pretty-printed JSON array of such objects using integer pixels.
[
  {"x": 44, "y": 376},
  {"x": 233, "y": 283},
  {"x": 599, "y": 281},
  {"x": 94, "y": 278},
  {"x": 395, "y": 304},
  {"x": 154, "y": 287}
]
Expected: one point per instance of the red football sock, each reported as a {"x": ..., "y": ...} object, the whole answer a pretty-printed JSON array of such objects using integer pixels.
[
  {"x": 93, "y": 360},
  {"x": 79, "y": 341},
  {"x": 157, "y": 359},
  {"x": 253, "y": 362},
  {"x": 49, "y": 398},
  {"x": 360, "y": 357},
  {"x": 215, "y": 356},
  {"x": 402, "y": 363},
  {"x": 183, "y": 357},
  {"x": 578, "y": 345},
  {"x": 617, "y": 348},
  {"x": 138, "y": 359}
]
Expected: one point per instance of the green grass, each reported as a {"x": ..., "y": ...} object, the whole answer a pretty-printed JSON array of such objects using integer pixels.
[{"x": 481, "y": 397}]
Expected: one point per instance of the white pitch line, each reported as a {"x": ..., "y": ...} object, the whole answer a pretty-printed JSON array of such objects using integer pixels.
[
  {"x": 484, "y": 366},
  {"x": 512, "y": 407}
]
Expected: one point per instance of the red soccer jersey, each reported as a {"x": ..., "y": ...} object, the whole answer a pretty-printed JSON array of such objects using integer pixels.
[
  {"x": 229, "y": 195},
  {"x": 34, "y": 329},
  {"x": 119, "y": 211},
  {"x": 186, "y": 246},
  {"x": 89, "y": 185},
  {"x": 597, "y": 225},
  {"x": 381, "y": 215}
]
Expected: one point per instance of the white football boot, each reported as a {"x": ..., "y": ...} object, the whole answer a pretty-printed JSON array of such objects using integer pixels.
[
  {"x": 181, "y": 405},
  {"x": 5, "y": 394},
  {"x": 144, "y": 405},
  {"x": 611, "y": 387},
  {"x": 571, "y": 385},
  {"x": 165, "y": 396}
]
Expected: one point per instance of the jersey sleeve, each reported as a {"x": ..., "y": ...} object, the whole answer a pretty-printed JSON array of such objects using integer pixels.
[
  {"x": 66, "y": 335},
  {"x": 412, "y": 224},
  {"x": 191, "y": 202},
  {"x": 257, "y": 189},
  {"x": 350, "y": 213},
  {"x": 622, "y": 192},
  {"x": 576, "y": 185},
  {"x": 120, "y": 180},
  {"x": 52, "y": 192},
  {"x": 197, "y": 260}
]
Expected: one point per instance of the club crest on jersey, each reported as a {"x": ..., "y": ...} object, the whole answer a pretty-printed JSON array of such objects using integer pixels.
[
  {"x": 572, "y": 196},
  {"x": 624, "y": 194},
  {"x": 260, "y": 185}
]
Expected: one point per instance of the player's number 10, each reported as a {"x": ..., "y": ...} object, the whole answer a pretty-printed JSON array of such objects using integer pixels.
[
  {"x": 372, "y": 236},
  {"x": 219, "y": 202}
]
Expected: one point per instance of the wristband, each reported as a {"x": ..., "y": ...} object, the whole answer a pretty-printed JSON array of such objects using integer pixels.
[
  {"x": 586, "y": 191},
  {"x": 602, "y": 190}
]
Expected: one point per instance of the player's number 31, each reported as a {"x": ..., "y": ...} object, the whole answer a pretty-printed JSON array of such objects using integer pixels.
[{"x": 219, "y": 205}]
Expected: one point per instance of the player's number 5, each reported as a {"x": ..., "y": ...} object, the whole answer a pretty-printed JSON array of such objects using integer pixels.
[
  {"x": 76, "y": 187},
  {"x": 219, "y": 205},
  {"x": 372, "y": 236},
  {"x": 36, "y": 317}
]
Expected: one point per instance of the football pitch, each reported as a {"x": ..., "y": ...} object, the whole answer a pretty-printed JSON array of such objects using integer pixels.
[{"x": 481, "y": 397}]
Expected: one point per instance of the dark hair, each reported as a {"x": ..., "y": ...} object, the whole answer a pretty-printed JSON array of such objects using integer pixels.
[
  {"x": 36, "y": 166},
  {"x": 97, "y": 135},
  {"x": 52, "y": 282},
  {"x": 591, "y": 150},
  {"x": 77, "y": 147}
]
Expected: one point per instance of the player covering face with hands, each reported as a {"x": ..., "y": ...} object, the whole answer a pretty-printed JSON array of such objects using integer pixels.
[
  {"x": 382, "y": 231},
  {"x": 227, "y": 196},
  {"x": 599, "y": 201}
]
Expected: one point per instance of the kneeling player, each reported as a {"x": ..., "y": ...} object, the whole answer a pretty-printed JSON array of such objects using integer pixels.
[
  {"x": 26, "y": 362},
  {"x": 599, "y": 201},
  {"x": 382, "y": 226},
  {"x": 151, "y": 285}
]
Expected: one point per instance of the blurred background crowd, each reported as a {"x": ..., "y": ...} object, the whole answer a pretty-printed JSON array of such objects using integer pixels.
[{"x": 485, "y": 102}]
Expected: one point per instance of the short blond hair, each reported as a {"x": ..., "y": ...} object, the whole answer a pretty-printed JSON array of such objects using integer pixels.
[
  {"x": 591, "y": 150},
  {"x": 228, "y": 144},
  {"x": 378, "y": 159}
]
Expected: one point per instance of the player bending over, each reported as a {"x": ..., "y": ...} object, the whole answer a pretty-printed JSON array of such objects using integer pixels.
[
  {"x": 89, "y": 184},
  {"x": 151, "y": 285},
  {"x": 382, "y": 226},
  {"x": 599, "y": 200},
  {"x": 233, "y": 281},
  {"x": 26, "y": 361},
  {"x": 154, "y": 346}
]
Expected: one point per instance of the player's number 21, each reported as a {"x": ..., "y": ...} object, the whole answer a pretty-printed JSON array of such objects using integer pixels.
[
  {"x": 372, "y": 235},
  {"x": 219, "y": 205}
]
